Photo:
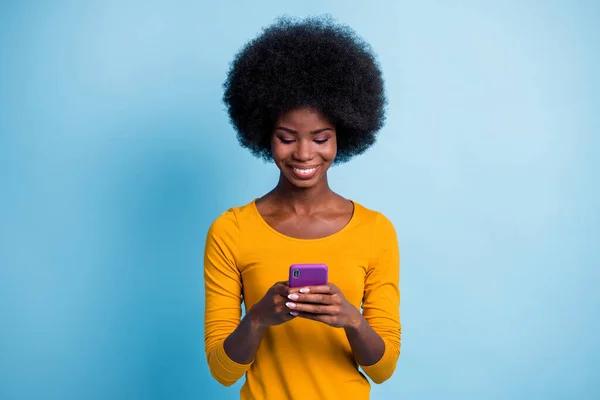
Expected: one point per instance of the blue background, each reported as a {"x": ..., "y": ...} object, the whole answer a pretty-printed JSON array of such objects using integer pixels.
[{"x": 116, "y": 154}]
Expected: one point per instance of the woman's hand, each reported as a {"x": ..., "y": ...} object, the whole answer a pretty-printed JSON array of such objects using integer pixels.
[
  {"x": 324, "y": 303},
  {"x": 271, "y": 309}
]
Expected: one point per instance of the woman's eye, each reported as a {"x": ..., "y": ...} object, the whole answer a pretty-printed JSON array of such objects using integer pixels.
[
  {"x": 321, "y": 141},
  {"x": 286, "y": 141}
]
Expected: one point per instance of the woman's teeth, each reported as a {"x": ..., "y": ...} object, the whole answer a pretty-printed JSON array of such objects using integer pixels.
[{"x": 305, "y": 171}]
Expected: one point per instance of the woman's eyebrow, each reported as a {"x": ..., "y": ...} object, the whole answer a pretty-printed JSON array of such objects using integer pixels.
[{"x": 295, "y": 132}]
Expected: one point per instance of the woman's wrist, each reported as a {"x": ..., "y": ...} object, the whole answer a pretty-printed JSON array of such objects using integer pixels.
[
  {"x": 254, "y": 320},
  {"x": 355, "y": 321}
]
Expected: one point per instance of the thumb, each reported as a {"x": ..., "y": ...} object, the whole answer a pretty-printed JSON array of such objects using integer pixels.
[{"x": 281, "y": 288}]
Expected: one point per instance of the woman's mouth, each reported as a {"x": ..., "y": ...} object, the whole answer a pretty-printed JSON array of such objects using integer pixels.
[{"x": 304, "y": 172}]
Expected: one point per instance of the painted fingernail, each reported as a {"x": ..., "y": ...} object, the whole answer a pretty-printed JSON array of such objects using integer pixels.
[
  {"x": 304, "y": 290},
  {"x": 290, "y": 305},
  {"x": 294, "y": 313},
  {"x": 293, "y": 296}
]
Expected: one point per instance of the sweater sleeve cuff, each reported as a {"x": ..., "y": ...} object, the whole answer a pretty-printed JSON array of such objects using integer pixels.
[
  {"x": 224, "y": 368},
  {"x": 384, "y": 368}
]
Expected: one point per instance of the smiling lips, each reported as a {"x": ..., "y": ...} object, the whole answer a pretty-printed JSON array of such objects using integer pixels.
[{"x": 304, "y": 172}]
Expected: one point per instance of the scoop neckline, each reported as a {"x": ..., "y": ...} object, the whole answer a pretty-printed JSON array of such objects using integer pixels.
[{"x": 320, "y": 239}]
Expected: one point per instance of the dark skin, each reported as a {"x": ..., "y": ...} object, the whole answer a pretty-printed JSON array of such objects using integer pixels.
[{"x": 302, "y": 205}]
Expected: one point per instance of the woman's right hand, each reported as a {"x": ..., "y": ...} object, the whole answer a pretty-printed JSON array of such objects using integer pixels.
[{"x": 271, "y": 309}]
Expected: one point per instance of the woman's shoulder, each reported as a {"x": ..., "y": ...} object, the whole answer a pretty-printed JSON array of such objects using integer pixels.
[
  {"x": 371, "y": 215},
  {"x": 380, "y": 229},
  {"x": 231, "y": 218}
]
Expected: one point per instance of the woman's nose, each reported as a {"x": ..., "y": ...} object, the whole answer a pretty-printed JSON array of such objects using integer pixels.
[{"x": 303, "y": 151}]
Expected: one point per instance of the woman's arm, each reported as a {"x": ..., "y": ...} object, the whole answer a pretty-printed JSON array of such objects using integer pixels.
[
  {"x": 381, "y": 300},
  {"x": 231, "y": 345},
  {"x": 223, "y": 298},
  {"x": 367, "y": 346},
  {"x": 372, "y": 352},
  {"x": 242, "y": 344}
]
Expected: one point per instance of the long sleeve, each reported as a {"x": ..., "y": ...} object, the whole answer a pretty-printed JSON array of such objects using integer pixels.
[
  {"x": 223, "y": 296},
  {"x": 381, "y": 302}
]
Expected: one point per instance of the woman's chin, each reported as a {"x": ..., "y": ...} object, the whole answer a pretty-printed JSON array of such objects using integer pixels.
[{"x": 303, "y": 183}]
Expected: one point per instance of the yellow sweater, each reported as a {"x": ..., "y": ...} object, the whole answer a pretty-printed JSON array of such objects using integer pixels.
[{"x": 301, "y": 359}]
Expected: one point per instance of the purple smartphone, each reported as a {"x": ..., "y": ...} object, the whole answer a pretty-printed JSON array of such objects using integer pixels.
[{"x": 302, "y": 275}]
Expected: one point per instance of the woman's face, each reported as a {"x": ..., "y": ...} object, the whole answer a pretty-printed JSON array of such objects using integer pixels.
[{"x": 304, "y": 146}]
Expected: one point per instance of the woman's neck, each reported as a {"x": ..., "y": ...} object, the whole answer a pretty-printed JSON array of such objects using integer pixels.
[{"x": 302, "y": 201}]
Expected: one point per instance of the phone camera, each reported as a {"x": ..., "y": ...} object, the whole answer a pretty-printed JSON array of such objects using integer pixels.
[{"x": 296, "y": 273}]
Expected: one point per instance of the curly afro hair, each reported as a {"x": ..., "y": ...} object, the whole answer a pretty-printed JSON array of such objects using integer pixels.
[{"x": 313, "y": 63}]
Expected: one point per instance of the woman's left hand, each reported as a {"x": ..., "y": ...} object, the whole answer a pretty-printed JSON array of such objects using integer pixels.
[{"x": 326, "y": 304}]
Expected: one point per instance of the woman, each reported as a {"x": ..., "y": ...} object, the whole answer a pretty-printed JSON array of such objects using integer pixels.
[{"x": 305, "y": 94}]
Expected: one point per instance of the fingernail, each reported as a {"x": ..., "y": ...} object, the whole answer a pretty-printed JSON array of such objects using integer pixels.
[
  {"x": 290, "y": 305},
  {"x": 294, "y": 313},
  {"x": 304, "y": 290},
  {"x": 293, "y": 296}
]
